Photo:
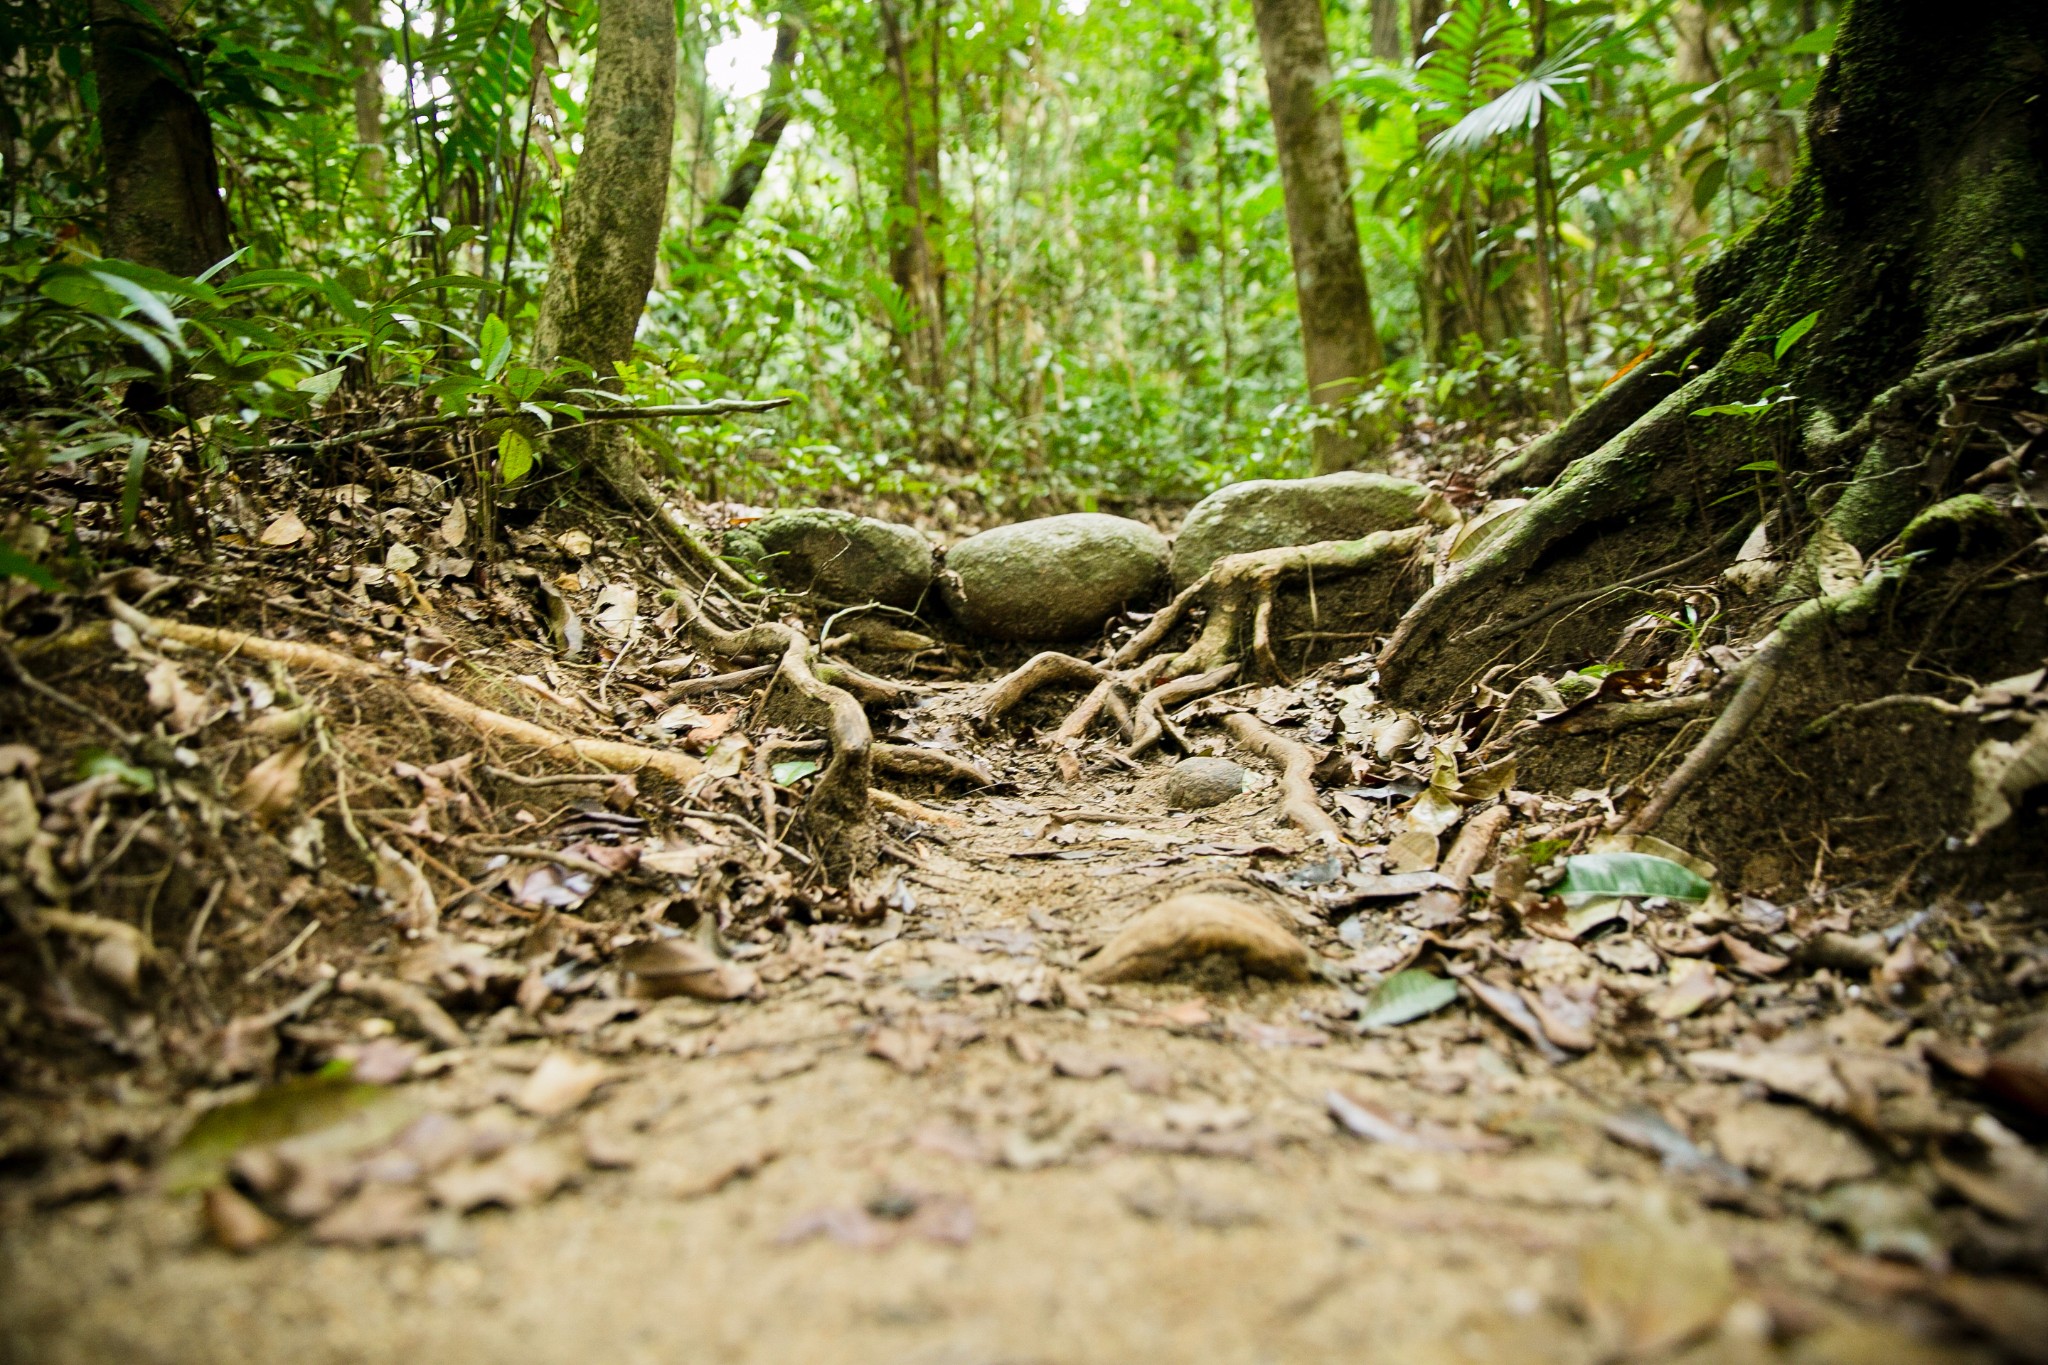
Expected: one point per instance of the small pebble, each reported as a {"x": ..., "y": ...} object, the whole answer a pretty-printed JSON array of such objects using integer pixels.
[{"x": 1198, "y": 783}]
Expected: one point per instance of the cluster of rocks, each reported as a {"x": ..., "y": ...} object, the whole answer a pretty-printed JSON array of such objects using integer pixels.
[{"x": 1064, "y": 577}]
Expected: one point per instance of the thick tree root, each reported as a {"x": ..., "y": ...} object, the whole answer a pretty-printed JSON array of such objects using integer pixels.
[
  {"x": 1049, "y": 669},
  {"x": 836, "y": 817},
  {"x": 1298, "y": 801},
  {"x": 1758, "y": 678},
  {"x": 609, "y": 754},
  {"x": 1151, "y": 723},
  {"x": 1239, "y": 591}
]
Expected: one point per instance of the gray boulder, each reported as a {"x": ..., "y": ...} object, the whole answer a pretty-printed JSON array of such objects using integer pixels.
[
  {"x": 1058, "y": 578},
  {"x": 1263, "y": 514},
  {"x": 837, "y": 555}
]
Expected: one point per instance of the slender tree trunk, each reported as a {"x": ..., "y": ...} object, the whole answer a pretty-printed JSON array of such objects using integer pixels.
[
  {"x": 1338, "y": 339},
  {"x": 723, "y": 216},
  {"x": 1386, "y": 30},
  {"x": 369, "y": 103},
  {"x": 914, "y": 258},
  {"x": 1554, "y": 353},
  {"x": 163, "y": 182},
  {"x": 603, "y": 260}
]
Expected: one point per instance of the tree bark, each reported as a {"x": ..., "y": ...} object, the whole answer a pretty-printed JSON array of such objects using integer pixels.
[
  {"x": 723, "y": 216},
  {"x": 1339, "y": 343},
  {"x": 1386, "y": 30},
  {"x": 163, "y": 182},
  {"x": 603, "y": 260},
  {"x": 916, "y": 263},
  {"x": 369, "y": 103}
]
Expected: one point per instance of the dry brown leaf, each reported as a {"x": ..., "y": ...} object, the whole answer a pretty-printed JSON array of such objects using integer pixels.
[
  {"x": 1791, "y": 1146},
  {"x": 272, "y": 786},
  {"x": 1189, "y": 928},
  {"x": 412, "y": 897},
  {"x": 172, "y": 695},
  {"x": 236, "y": 1223},
  {"x": 455, "y": 526},
  {"x": 379, "y": 1215},
  {"x": 560, "y": 1083},
  {"x": 2004, "y": 771},
  {"x": 681, "y": 966},
  {"x": 284, "y": 529},
  {"x": 524, "y": 1175}
]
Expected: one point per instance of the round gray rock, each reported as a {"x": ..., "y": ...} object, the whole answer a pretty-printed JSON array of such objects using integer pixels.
[
  {"x": 1264, "y": 514},
  {"x": 837, "y": 555},
  {"x": 1058, "y": 578},
  {"x": 1199, "y": 783}
]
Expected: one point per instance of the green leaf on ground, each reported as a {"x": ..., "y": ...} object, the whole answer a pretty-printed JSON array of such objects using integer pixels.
[
  {"x": 1405, "y": 996},
  {"x": 346, "y": 1115},
  {"x": 1591, "y": 875},
  {"x": 1789, "y": 338},
  {"x": 795, "y": 770}
]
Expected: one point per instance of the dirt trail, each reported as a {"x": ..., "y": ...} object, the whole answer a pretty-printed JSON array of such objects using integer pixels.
[{"x": 931, "y": 1142}]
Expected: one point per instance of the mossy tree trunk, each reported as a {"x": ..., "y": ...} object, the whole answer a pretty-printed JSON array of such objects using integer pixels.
[
  {"x": 1912, "y": 236},
  {"x": 602, "y": 264}
]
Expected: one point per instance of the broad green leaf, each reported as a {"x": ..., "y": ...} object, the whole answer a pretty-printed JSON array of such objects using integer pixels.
[
  {"x": 326, "y": 1110},
  {"x": 104, "y": 763},
  {"x": 494, "y": 345},
  {"x": 1590, "y": 875},
  {"x": 515, "y": 457},
  {"x": 322, "y": 385},
  {"x": 794, "y": 770},
  {"x": 1789, "y": 338},
  {"x": 1731, "y": 410},
  {"x": 1405, "y": 996},
  {"x": 14, "y": 564}
]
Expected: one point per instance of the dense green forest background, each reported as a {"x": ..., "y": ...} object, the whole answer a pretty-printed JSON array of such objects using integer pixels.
[{"x": 1029, "y": 254}]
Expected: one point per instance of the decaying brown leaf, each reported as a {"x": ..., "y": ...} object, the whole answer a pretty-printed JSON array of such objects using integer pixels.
[
  {"x": 1649, "y": 1285},
  {"x": 272, "y": 786},
  {"x": 560, "y": 1083},
  {"x": 681, "y": 966},
  {"x": 1189, "y": 928}
]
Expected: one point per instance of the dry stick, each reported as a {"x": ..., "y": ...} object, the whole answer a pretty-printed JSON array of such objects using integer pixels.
[
  {"x": 716, "y": 408},
  {"x": 551, "y": 779},
  {"x": 612, "y": 754},
  {"x": 837, "y": 811},
  {"x": 723, "y": 682},
  {"x": 1470, "y": 849},
  {"x": 1039, "y": 671},
  {"x": 1935, "y": 704},
  {"x": 1150, "y": 721},
  {"x": 408, "y": 1000},
  {"x": 1297, "y": 781},
  {"x": 535, "y": 853}
]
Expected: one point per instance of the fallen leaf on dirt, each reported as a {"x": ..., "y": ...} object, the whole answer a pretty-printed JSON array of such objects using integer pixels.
[
  {"x": 1411, "y": 851},
  {"x": 560, "y": 1083},
  {"x": 379, "y": 1061},
  {"x": 410, "y": 895},
  {"x": 2010, "y": 1182},
  {"x": 695, "y": 1183},
  {"x": 1792, "y": 1146},
  {"x": 284, "y": 529},
  {"x": 234, "y": 1222},
  {"x": 328, "y": 1102},
  {"x": 2002, "y": 772},
  {"x": 1807, "y": 1076},
  {"x": 1694, "y": 986},
  {"x": 1590, "y": 876},
  {"x": 1405, "y": 996},
  {"x": 1506, "y": 1002},
  {"x": 377, "y": 1215},
  {"x": 575, "y": 544},
  {"x": 618, "y": 608},
  {"x": 454, "y": 528},
  {"x": 270, "y": 788},
  {"x": 1187, "y": 929},
  {"x": 1648, "y": 1285},
  {"x": 681, "y": 966},
  {"x": 524, "y": 1175},
  {"x": 1362, "y": 1119},
  {"x": 909, "y": 1049},
  {"x": 172, "y": 695},
  {"x": 1884, "y": 1219}
]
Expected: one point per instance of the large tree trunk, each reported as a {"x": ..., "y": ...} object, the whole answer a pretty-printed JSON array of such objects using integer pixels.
[
  {"x": 1338, "y": 339},
  {"x": 163, "y": 183},
  {"x": 916, "y": 260},
  {"x": 724, "y": 213},
  {"x": 1908, "y": 238},
  {"x": 602, "y": 264}
]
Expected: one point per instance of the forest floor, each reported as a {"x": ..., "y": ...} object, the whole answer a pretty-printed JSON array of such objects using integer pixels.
[{"x": 442, "y": 1094}]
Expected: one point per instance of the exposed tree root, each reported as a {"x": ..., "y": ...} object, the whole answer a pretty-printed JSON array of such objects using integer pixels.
[
  {"x": 1049, "y": 669},
  {"x": 1239, "y": 589},
  {"x": 1297, "y": 775},
  {"x": 1151, "y": 724},
  {"x": 836, "y": 816},
  {"x": 931, "y": 765},
  {"x": 610, "y": 754},
  {"x": 1759, "y": 676}
]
